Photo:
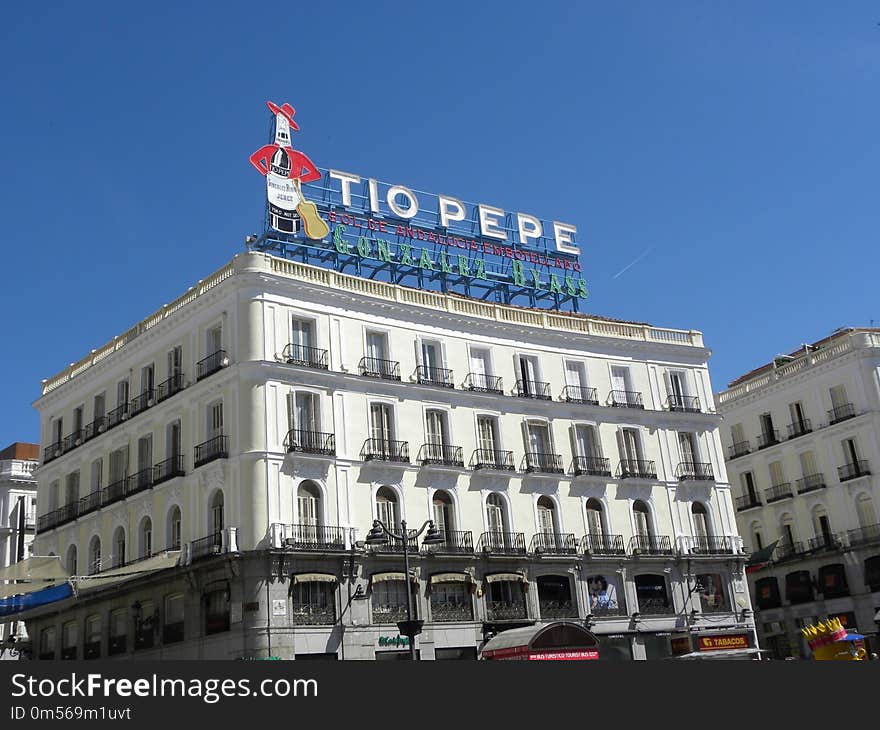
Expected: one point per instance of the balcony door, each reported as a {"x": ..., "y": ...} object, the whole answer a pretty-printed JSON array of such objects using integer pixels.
[
  {"x": 495, "y": 514},
  {"x": 381, "y": 425},
  {"x": 175, "y": 361},
  {"x": 172, "y": 439},
  {"x": 302, "y": 335},
  {"x": 594, "y": 518},
  {"x": 145, "y": 453},
  {"x": 307, "y": 507},
  {"x": 538, "y": 438},
  {"x": 147, "y": 379},
  {"x": 574, "y": 377},
  {"x": 619, "y": 378},
  {"x": 121, "y": 393},
  {"x": 628, "y": 442},
  {"x": 838, "y": 397},
  {"x": 386, "y": 508},
  {"x": 435, "y": 428},
  {"x": 214, "y": 341},
  {"x": 215, "y": 420},
  {"x": 641, "y": 522},
  {"x": 479, "y": 367},
  {"x": 687, "y": 447},
  {"x": 676, "y": 385},
  {"x": 546, "y": 524},
  {"x": 486, "y": 433},
  {"x": 377, "y": 346},
  {"x": 443, "y": 513},
  {"x": 431, "y": 357},
  {"x": 850, "y": 453},
  {"x": 305, "y": 416}
]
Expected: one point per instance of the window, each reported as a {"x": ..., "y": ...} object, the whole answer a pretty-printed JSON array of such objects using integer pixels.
[
  {"x": 217, "y": 610},
  {"x": 528, "y": 370},
  {"x": 77, "y": 425},
  {"x": 313, "y": 603},
  {"x": 546, "y": 516},
  {"x": 215, "y": 515},
  {"x": 821, "y": 526},
  {"x": 72, "y": 488},
  {"x": 57, "y": 428},
  {"x": 595, "y": 518},
  {"x": 308, "y": 500},
  {"x": 145, "y": 548},
  {"x": 95, "y": 555},
  {"x": 122, "y": 394},
  {"x": 538, "y": 438},
  {"x": 54, "y": 489},
  {"x": 865, "y": 511},
  {"x": 172, "y": 440},
  {"x": 850, "y": 452},
  {"x": 832, "y": 581},
  {"x": 148, "y": 378},
  {"x": 651, "y": 594},
  {"x": 758, "y": 541},
  {"x": 586, "y": 442},
  {"x": 444, "y": 515},
  {"x": 144, "y": 624},
  {"x": 495, "y": 516},
  {"x": 799, "y": 587},
  {"x": 777, "y": 476},
  {"x": 118, "y": 556},
  {"x": 303, "y": 414},
  {"x": 676, "y": 387},
  {"x": 629, "y": 445},
  {"x": 798, "y": 419},
  {"x": 145, "y": 461},
  {"x": 174, "y": 362},
  {"x": 98, "y": 407},
  {"x": 738, "y": 437},
  {"x": 839, "y": 400},
  {"x": 118, "y": 467},
  {"x": 47, "y": 643},
  {"x": 451, "y": 601},
  {"x": 213, "y": 340},
  {"x": 748, "y": 483},
  {"x": 215, "y": 420},
  {"x": 787, "y": 530},
  {"x": 688, "y": 448},
  {"x": 302, "y": 338},
  {"x": 620, "y": 379},
  {"x": 431, "y": 364},
  {"x": 603, "y": 595},
  {"x": 172, "y": 529},
  {"x": 505, "y": 599},
  {"x": 768, "y": 433},
  {"x": 437, "y": 441},
  {"x": 872, "y": 573},
  {"x": 481, "y": 376},
  {"x": 92, "y": 646},
  {"x": 388, "y": 601},
  {"x": 377, "y": 346},
  {"x": 97, "y": 475},
  {"x": 554, "y": 597},
  {"x": 712, "y": 594},
  {"x": 172, "y": 628},
  {"x": 808, "y": 464},
  {"x": 118, "y": 631},
  {"x": 381, "y": 426},
  {"x": 386, "y": 507},
  {"x": 767, "y": 593},
  {"x": 69, "y": 640},
  {"x": 701, "y": 526},
  {"x": 487, "y": 434},
  {"x": 643, "y": 534},
  {"x": 71, "y": 560}
]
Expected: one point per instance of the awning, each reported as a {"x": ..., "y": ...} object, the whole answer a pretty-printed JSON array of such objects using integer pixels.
[
  {"x": 451, "y": 578},
  {"x": 20, "y": 589},
  {"x": 38, "y": 567},
  {"x": 17, "y": 604},
  {"x": 495, "y": 577},
  {"x": 126, "y": 572},
  {"x": 383, "y": 577},
  {"x": 314, "y": 578},
  {"x": 760, "y": 558},
  {"x": 566, "y": 640},
  {"x": 722, "y": 654}
]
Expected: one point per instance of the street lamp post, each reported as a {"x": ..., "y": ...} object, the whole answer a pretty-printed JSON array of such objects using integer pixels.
[{"x": 379, "y": 536}]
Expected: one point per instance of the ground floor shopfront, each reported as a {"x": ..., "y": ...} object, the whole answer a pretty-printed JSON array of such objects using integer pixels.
[{"x": 297, "y": 606}]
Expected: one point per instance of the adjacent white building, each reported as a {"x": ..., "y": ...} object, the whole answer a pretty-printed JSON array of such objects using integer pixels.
[
  {"x": 248, "y": 434},
  {"x": 802, "y": 439}
]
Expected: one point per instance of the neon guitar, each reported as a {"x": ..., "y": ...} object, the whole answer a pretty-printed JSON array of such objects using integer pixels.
[{"x": 313, "y": 225}]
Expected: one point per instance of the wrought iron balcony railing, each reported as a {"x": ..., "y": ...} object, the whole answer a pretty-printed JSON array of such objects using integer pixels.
[
  {"x": 89, "y": 503},
  {"x": 428, "y": 375},
  {"x": 310, "y": 442},
  {"x": 650, "y": 545},
  {"x": 533, "y": 389},
  {"x": 456, "y": 542},
  {"x": 655, "y": 606},
  {"x": 788, "y": 550},
  {"x": 831, "y": 541},
  {"x": 557, "y": 609},
  {"x": 393, "y": 545},
  {"x": 809, "y": 483},
  {"x": 540, "y": 463},
  {"x": 777, "y": 492},
  {"x": 117, "y": 415},
  {"x": 448, "y": 612},
  {"x": 580, "y": 394},
  {"x": 314, "y": 538},
  {"x": 636, "y": 469},
  {"x": 142, "y": 402},
  {"x": 683, "y": 404},
  {"x": 308, "y": 615},
  {"x": 168, "y": 387},
  {"x": 385, "y": 450},
  {"x": 492, "y": 459},
  {"x": 550, "y": 543},
  {"x": 600, "y": 544},
  {"x": 214, "y": 448},
  {"x": 305, "y": 356},
  {"x": 139, "y": 481},
  {"x": 740, "y": 448},
  {"x": 441, "y": 455},
  {"x": 505, "y": 610},
  {"x": 168, "y": 469},
  {"x": 768, "y": 438},
  {"x": 853, "y": 470},
  {"x": 863, "y": 535},
  {"x": 841, "y": 413},
  {"x": 374, "y": 367},
  {"x": 211, "y": 364},
  {"x": 482, "y": 383},
  {"x": 52, "y": 451},
  {"x": 626, "y": 399},
  {"x": 72, "y": 440},
  {"x": 98, "y": 426},
  {"x": 800, "y": 428},
  {"x": 502, "y": 543},
  {"x": 204, "y": 547},
  {"x": 712, "y": 544},
  {"x": 747, "y": 501},
  {"x": 113, "y": 492},
  {"x": 388, "y": 614},
  {"x": 694, "y": 470},
  {"x": 594, "y": 466}
]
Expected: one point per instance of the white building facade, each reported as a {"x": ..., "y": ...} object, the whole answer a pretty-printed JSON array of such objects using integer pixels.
[
  {"x": 802, "y": 440},
  {"x": 261, "y": 422}
]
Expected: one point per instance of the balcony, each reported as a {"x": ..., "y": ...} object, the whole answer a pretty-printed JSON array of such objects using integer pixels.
[
  {"x": 390, "y": 614},
  {"x": 711, "y": 544},
  {"x": 788, "y": 550},
  {"x": 52, "y": 451},
  {"x": 853, "y": 471},
  {"x": 89, "y": 503},
  {"x": 141, "y": 402},
  {"x": 314, "y": 538},
  {"x": 579, "y": 394},
  {"x": 374, "y": 367},
  {"x": 650, "y": 545},
  {"x": 214, "y": 448},
  {"x": 205, "y": 547},
  {"x": 809, "y": 483},
  {"x": 211, "y": 364},
  {"x": 683, "y": 404},
  {"x": 533, "y": 389},
  {"x": 535, "y": 462},
  {"x": 385, "y": 450},
  {"x": 438, "y": 377},
  {"x": 636, "y": 469},
  {"x": 394, "y": 545},
  {"x": 593, "y": 466},
  {"x": 830, "y": 541},
  {"x": 557, "y": 609},
  {"x": 502, "y": 543},
  {"x": 449, "y": 612},
  {"x": 492, "y": 459},
  {"x": 113, "y": 492},
  {"x": 305, "y": 356},
  {"x": 505, "y": 610},
  {"x": 864, "y": 535},
  {"x": 139, "y": 481},
  {"x": 98, "y": 426},
  {"x": 551, "y": 543},
  {"x": 310, "y": 442},
  {"x": 747, "y": 501},
  {"x": 316, "y": 615},
  {"x": 801, "y": 428},
  {"x": 117, "y": 415},
  {"x": 481, "y": 383},
  {"x": 740, "y": 448},
  {"x": 778, "y": 492},
  {"x": 602, "y": 544},
  {"x": 440, "y": 455},
  {"x": 71, "y": 441},
  {"x": 626, "y": 399},
  {"x": 168, "y": 469},
  {"x": 841, "y": 413},
  {"x": 768, "y": 438},
  {"x": 169, "y": 387},
  {"x": 694, "y": 471},
  {"x": 456, "y": 542}
]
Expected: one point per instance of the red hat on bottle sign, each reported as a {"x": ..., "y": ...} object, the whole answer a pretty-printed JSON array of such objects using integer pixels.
[{"x": 286, "y": 110}]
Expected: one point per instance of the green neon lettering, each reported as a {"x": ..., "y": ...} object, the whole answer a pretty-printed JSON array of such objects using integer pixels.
[
  {"x": 570, "y": 286},
  {"x": 463, "y": 269},
  {"x": 444, "y": 264},
  {"x": 363, "y": 245},
  {"x": 536, "y": 275},
  {"x": 518, "y": 274},
  {"x": 405, "y": 257},
  {"x": 582, "y": 288},
  {"x": 425, "y": 261},
  {"x": 481, "y": 269},
  {"x": 338, "y": 240},
  {"x": 554, "y": 284},
  {"x": 383, "y": 251}
]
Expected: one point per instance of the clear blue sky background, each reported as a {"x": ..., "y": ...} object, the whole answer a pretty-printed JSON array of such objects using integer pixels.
[{"x": 736, "y": 143}]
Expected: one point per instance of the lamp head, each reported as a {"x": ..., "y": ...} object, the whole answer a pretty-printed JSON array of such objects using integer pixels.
[
  {"x": 377, "y": 535},
  {"x": 433, "y": 536}
]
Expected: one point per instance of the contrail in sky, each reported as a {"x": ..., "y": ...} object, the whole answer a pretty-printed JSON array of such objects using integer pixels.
[{"x": 645, "y": 253}]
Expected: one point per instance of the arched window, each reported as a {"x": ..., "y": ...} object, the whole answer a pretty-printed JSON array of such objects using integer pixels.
[
  {"x": 118, "y": 556},
  {"x": 642, "y": 524},
  {"x": 865, "y": 511},
  {"x": 495, "y": 517},
  {"x": 701, "y": 526},
  {"x": 757, "y": 536},
  {"x": 71, "y": 560},
  {"x": 595, "y": 519},
  {"x": 821, "y": 528},
  {"x": 787, "y": 539},
  {"x": 215, "y": 520},
  {"x": 308, "y": 503},
  {"x": 387, "y": 508},
  {"x": 145, "y": 536},
  {"x": 444, "y": 514},
  {"x": 172, "y": 528},
  {"x": 546, "y": 516},
  {"x": 95, "y": 555}
]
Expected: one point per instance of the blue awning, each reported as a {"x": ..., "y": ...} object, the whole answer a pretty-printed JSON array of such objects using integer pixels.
[{"x": 17, "y": 604}]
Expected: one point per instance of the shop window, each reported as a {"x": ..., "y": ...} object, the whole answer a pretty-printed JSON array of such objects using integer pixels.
[
  {"x": 313, "y": 603},
  {"x": 712, "y": 594},
  {"x": 69, "y": 640},
  {"x": 92, "y": 646},
  {"x": 47, "y": 643},
  {"x": 144, "y": 624},
  {"x": 652, "y": 594},
  {"x": 554, "y": 597},
  {"x": 832, "y": 581},
  {"x": 118, "y": 631},
  {"x": 216, "y": 610},
  {"x": 505, "y": 599},
  {"x": 657, "y": 646},
  {"x": 614, "y": 648},
  {"x": 603, "y": 594},
  {"x": 455, "y": 653},
  {"x": 767, "y": 593},
  {"x": 451, "y": 601},
  {"x": 389, "y": 601},
  {"x": 872, "y": 573},
  {"x": 172, "y": 629},
  {"x": 799, "y": 587}
]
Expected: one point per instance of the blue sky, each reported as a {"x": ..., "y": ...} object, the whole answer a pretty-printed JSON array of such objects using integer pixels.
[{"x": 730, "y": 149}]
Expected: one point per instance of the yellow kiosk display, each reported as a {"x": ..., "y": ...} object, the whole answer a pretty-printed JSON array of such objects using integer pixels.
[{"x": 829, "y": 640}]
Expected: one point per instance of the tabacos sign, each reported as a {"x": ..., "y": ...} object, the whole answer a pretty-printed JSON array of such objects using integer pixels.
[{"x": 417, "y": 233}]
